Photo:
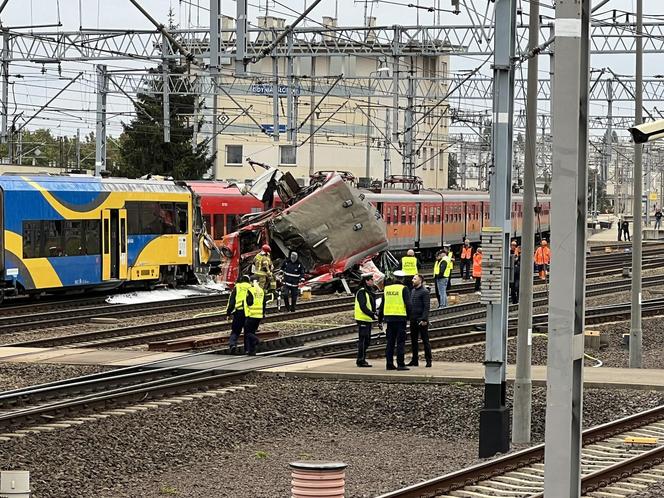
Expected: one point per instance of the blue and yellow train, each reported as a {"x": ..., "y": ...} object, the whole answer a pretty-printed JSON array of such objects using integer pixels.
[{"x": 66, "y": 232}]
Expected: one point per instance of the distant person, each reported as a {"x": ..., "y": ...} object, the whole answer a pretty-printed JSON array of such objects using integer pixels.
[
  {"x": 515, "y": 249},
  {"x": 446, "y": 266},
  {"x": 254, "y": 304},
  {"x": 543, "y": 259},
  {"x": 625, "y": 230},
  {"x": 438, "y": 270},
  {"x": 236, "y": 308},
  {"x": 293, "y": 274},
  {"x": 409, "y": 266},
  {"x": 466, "y": 260},
  {"x": 420, "y": 302},
  {"x": 515, "y": 275},
  {"x": 365, "y": 314},
  {"x": 619, "y": 224},
  {"x": 477, "y": 269},
  {"x": 658, "y": 219},
  {"x": 394, "y": 310}
]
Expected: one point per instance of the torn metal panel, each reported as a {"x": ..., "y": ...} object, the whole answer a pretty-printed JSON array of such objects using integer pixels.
[{"x": 334, "y": 227}]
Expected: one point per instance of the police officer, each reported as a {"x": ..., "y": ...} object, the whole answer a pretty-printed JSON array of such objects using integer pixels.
[
  {"x": 409, "y": 266},
  {"x": 236, "y": 308},
  {"x": 395, "y": 310},
  {"x": 263, "y": 266},
  {"x": 254, "y": 304},
  {"x": 293, "y": 274},
  {"x": 365, "y": 313}
]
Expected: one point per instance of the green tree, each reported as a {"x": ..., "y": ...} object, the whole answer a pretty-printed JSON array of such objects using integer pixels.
[{"x": 142, "y": 147}]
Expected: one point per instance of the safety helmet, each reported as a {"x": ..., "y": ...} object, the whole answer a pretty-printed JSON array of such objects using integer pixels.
[{"x": 266, "y": 248}]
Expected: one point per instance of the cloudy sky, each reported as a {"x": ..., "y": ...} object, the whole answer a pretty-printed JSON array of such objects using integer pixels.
[{"x": 78, "y": 105}]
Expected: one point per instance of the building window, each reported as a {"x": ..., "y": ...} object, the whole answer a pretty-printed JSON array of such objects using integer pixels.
[
  {"x": 287, "y": 154},
  {"x": 234, "y": 154}
]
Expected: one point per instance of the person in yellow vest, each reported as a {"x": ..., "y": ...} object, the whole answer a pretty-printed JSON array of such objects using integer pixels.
[
  {"x": 254, "y": 308},
  {"x": 442, "y": 271},
  {"x": 236, "y": 308},
  {"x": 466, "y": 258},
  {"x": 395, "y": 310},
  {"x": 409, "y": 267},
  {"x": 365, "y": 314},
  {"x": 263, "y": 267}
]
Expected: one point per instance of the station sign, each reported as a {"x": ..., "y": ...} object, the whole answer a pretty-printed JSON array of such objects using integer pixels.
[
  {"x": 269, "y": 128},
  {"x": 268, "y": 89}
]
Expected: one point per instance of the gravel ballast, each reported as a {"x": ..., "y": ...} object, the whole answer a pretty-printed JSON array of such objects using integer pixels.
[
  {"x": 17, "y": 375},
  {"x": 239, "y": 444}
]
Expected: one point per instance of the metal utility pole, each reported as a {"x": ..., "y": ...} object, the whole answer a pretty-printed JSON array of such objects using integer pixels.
[
  {"x": 312, "y": 119},
  {"x": 78, "y": 148},
  {"x": 5, "y": 83},
  {"x": 562, "y": 454},
  {"x": 635, "y": 332},
  {"x": 367, "y": 160},
  {"x": 100, "y": 135},
  {"x": 388, "y": 159},
  {"x": 275, "y": 98},
  {"x": 523, "y": 389},
  {"x": 290, "y": 100},
  {"x": 166, "y": 102},
  {"x": 214, "y": 75},
  {"x": 409, "y": 135},
  {"x": 495, "y": 416},
  {"x": 240, "y": 34}
]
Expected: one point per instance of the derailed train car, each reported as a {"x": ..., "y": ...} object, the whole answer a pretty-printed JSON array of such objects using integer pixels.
[
  {"x": 331, "y": 225},
  {"x": 63, "y": 233}
]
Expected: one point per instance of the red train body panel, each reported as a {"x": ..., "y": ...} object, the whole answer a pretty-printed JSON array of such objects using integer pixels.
[{"x": 422, "y": 220}]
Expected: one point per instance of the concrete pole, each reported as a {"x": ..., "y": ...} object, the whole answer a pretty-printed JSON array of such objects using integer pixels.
[
  {"x": 5, "y": 84},
  {"x": 240, "y": 33},
  {"x": 275, "y": 98},
  {"x": 367, "y": 159},
  {"x": 78, "y": 148},
  {"x": 409, "y": 134},
  {"x": 387, "y": 159},
  {"x": 100, "y": 135},
  {"x": 648, "y": 186},
  {"x": 312, "y": 120},
  {"x": 495, "y": 416},
  {"x": 564, "y": 401},
  {"x": 635, "y": 332},
  {"x": 290, "y": 97},
  {"x": 521, "y": 418},
  {"x": 214, "y": 76}
]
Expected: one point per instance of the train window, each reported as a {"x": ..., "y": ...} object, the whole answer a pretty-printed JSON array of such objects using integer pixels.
[
  {"x": 167, "y": 217},
  {"x": 73, "y": 238},
  {"x": 231, "y": 223},
  {"x": 396, "y": 216},
  {"x": 32, "y": 239},
  {"x": 425, "y": 215},
  {"x": 54, "y": 238},
  {"x": 91, "y": 235},
  {"x": 123, "y": 235},
  {"x": 403, "y": 215},
  {"x": 181, "y": 209},
  {"x": 154, "y": 218},
  {"x": 207, "y": 219},
  {"x": 437, "y": 215},
  {"x": 219, "y": 226},
  {"x": 107, "y": 236},
  {"x": 388, "y": 216}
]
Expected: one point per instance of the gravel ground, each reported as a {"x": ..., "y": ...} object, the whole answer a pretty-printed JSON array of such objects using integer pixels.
[
  {"x": 17, "y": 375},
  {"x": 655, "y": 491},
  {"x": 239, "y": 445}
]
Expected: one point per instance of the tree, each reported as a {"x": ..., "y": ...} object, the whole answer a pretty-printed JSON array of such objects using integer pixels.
[
  {"x": 142, "y": 147},
  {"x": 452, "y": 170}
]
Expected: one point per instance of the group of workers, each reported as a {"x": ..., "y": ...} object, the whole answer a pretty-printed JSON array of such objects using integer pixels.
[
  {"x": 293, "y": 272},
  {"x": 247, "y": 306}
]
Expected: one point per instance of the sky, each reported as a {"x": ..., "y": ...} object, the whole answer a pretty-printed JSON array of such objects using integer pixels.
[{"x": 78, "y": 105}]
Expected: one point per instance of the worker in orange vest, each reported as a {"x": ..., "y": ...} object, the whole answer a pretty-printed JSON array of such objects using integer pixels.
[
  {"x": 543, "y": 259},
  {"x": 477, "y": 269},
  {"x": 466, "y": 259}
]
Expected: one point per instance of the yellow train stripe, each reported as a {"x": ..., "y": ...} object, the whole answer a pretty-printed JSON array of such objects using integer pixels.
[{"x": 41, "y": 271}]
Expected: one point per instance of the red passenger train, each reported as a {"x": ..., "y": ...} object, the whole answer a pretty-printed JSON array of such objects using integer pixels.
[{"x": 423, "y": 219}]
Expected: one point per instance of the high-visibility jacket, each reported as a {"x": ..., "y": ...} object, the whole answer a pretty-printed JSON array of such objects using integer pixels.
[
  {"x": 517, "y": 251},
  {"x": 466, "y": 252},
  {"x": 262, "y": 264},
  {"x": 360, "y": 315},
  {"x": 241, "y": 289},
  {"x": 449, "y": 266},
  {"x": 409, "y": 265},
  {"x": 256, "y": 308},
  {"x": 394, "y": 301},
  {"x": 477, "y": 265},
  {"x": 543, "y": 255},
  {"x": 436, "y": 269}
]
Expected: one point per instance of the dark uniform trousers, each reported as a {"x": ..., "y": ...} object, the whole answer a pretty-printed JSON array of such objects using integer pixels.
[
  {"x": 465, "y": 268},
  {"x": 419, "y": 331},
  {"x": 236, "y": 327},
  {"x": 396, "y": 335},
  {"x": 250, "y": 337},
  {"x": 363, "y": 341},
  {"x": 290, "y": 296}
]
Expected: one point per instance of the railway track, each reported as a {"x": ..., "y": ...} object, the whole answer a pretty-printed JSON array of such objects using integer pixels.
[{"x": 606, "y": 459}]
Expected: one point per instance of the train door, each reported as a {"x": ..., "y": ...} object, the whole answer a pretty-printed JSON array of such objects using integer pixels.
[
  {"x": 122, "y": 243},
  {"x": 111, "y": 250}
]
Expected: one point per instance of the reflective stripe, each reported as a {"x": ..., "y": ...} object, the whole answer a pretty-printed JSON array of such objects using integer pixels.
[
  {"x": 394, "y": 304},
  {"x": 256, "y": 309},
  {"x": 360, "y": 316},
  {"x": 409, "y": 265},
  {"x": 292, "y": 274}
]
